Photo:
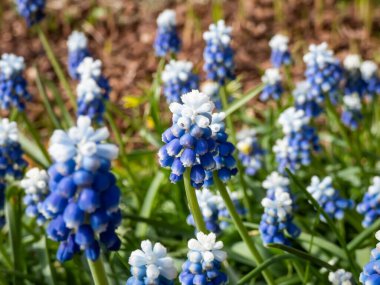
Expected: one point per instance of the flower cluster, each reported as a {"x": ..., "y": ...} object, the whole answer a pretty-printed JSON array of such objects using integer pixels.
[
  {"x": 300, "y": 140},
  {"x": 12, "y": 164},
  {"x": 323, "y": 72},
  {"x": 197, "y": 140},
  {"x": 31, "y": 10},
  {"x": 214, "y": 210},
  {"x": 78, "y": 51},
  {"x": 218, "y": 54},
  {"x": 353, "y": 82},
  {"x": 251, "y": 154},
  {"x": 352, "y": 111},
  {"x": 167, "y": 40},
  {"x": 275, "y": 182},
  {"x": 92, "y": 90},
  {"x": 278, "y": 218},
  {"x": 204, "y": 261},
  {"x": 178, "y": 79},
  {"x": 151, "y": 265},
  {"x": 341, "y": 277},
  {"x": 272, "y": 85},
  {"x": 212, "y": 89},
  {"x": 370, "y": 206},
  {"x": 370, "y": 274},
  {"x": 328, "y": 197},
  {"x": 368, "y": 70},
  {"x": 36, "y": 187},
  {"x": 83, "y": 204},
  {"x": 280, "y": 51},
  {"x": 302, "y": 101},
  {"x": 13, "y": 86}
]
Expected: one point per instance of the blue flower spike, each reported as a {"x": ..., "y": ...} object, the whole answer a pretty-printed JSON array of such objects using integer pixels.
[
  {"x": 178, "y": 79},
  {"x": 167, "y": 40},
  {"x": 275, "y": 182},
  {"x": 13, "y": 86},
  {"x": 83, "y": 203},
  {"x": 218, "y": 54},
  {"x": 352, "y": 111},
  {"x": 300, "y": 140},
  {"x": 341, "y": 277},
  {"x": 368, "y": 70},
  {"x": 328, "y": 197},
  {"x": 353, "y": 81},
  {"x": 370, "y": 274},
  {"x": 370, "y": 205},
  {"x": 93, "y": 90},
  {"x": 280, "y": 51},
  {"x": 151, "y": 265},
  {"x": 36, "y": 187},
  {"x": 33, "y": 11},
  {"x": 272, "y": 85},
  {"x": 78, "y": 51},
  {"x": 312, "y": 106},
  {"x": 251, "y": 154},
  {"x": 204, "y": 261},
  {"x": 323, "y": 72}
]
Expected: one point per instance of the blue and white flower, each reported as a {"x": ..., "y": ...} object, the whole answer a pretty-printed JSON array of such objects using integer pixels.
[
  {"x": 370, "y": 205},
  {"x": 83, "y": 204},
  {"x": 275, "y": 182},
  {"x": 369, "y": 74},
  {"x": 278, "y": 218},
  {"x": 302, "y": 100},
  {"x": 280, "y": 51},
  {"x": 218, "y": 54},
  {"x": 35, "y": 184},
  {"x": 251, "y": 154},
  {"x": 178, "y": 79},
  {"x": 370, "y": 274},
  {"x": 341, "y": 277},
  {"x": 32, "y": 10},
  {"x": 167, "y": 40},
  {"x": 352, "y": 111},
  {"x": 353, "y": 81},
  {"x": 204, "y": 261},
  {"x": 13, "y": 86},
  {"x": 328, "y": 197},
  {"x": 211, "y": 89},
  {"x": 323, "y": 72},
  {"x": 272, "y": 85},
  {"x": 78, "y": 51},
  {"x": 151, "y": 265}
]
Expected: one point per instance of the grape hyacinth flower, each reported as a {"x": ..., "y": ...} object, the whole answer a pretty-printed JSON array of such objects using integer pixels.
[
  {"x": 167, "y": 40},
  {"x": 13, "y": 86},
  {"x": 208, "y": 203},
  {"x": 323, "y": 72},
  {"x": 275, "y": 182},
  {"x": 368, "y": 71},
  {"x": 272, "y": 85},
  {"x": 93, "y": 90},
  {"x": 341, "y": 277},
  {"x": 204, "y": 261},
  {"x": 197, "y": 140},
  {"x": 352, "y": 111},
  {"x": 218, "y": 54},
  {"x": 370, "y": 274},
  {"x": 300, "y": 140},
  {"x": 370, "y": 206},
  {"x": 78, "y": 51},
  {"x": 83, "y": 204},
  {"x": 311, "y": 106},
  {"x": 35, "y": 185},
  {"x": 280, "y": 51},
  {"x": 12, "y": 164},
  {"x": 353, "y": 83},
  {"x": 212, "y": 89},
  {"x": 32, "y": 10},
  {"x": 178, "y": 79},
  {"x": 278, "y": 219},
  {"x": 151, "y": 265},
  {"x": 328, "y": 197},
  {"x": 251, "y": 154}
]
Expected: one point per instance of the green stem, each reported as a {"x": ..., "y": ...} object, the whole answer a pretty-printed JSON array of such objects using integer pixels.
[
  {"x": 193, "y": 202},
  {"x": 56, "y": 66},
  {"x": 154, "y": 96},
  {"x": 98, "y": 272},
  {"x": 240, "y": 227},
  {"x": 246, "y": 202}
]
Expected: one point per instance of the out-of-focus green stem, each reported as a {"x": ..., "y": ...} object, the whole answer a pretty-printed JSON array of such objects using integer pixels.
[{"x": 98, "y": 272}]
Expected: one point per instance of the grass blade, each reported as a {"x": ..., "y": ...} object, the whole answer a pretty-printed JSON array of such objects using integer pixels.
[{"x": 244, "y": 100}]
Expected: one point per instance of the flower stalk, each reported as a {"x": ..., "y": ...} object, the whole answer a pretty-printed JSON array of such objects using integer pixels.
[{"x": 98, "y": 272}]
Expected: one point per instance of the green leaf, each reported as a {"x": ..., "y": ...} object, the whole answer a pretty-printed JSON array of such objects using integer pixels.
[
  {"x": 33, "y": 151},
  {"x": 363, "y": 236},
  {"x": 323, "y": 244},
  {"x": 244, "y": 100}
]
